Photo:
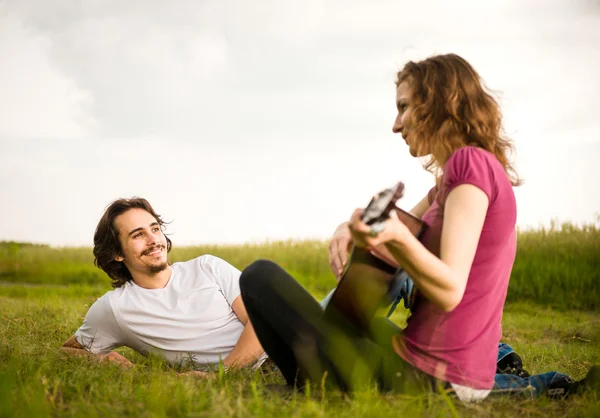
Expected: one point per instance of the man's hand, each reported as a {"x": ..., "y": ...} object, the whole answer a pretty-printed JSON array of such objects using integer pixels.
[
  {"x": 115, "y": 357},
  {"x": 338, "y": 249},
  {"x": 72, "y": 347}
]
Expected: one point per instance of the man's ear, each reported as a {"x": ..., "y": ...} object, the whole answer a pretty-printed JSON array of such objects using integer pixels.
[{"x": 119, "y": 258}]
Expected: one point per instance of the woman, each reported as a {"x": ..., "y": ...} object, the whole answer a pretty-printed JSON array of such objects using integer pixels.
[{"x": 461, "y": 266}]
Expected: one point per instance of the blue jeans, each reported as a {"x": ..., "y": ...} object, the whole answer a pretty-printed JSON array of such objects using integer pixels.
[{"x": 532, "y": 386}]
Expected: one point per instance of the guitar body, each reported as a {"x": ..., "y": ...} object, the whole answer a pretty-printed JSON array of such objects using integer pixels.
[
  {"x": 362, "y": 289},
  {"x": 370, "y": 275}
]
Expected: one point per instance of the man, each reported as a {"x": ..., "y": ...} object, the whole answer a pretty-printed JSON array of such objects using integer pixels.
[{"x": 187, "y": 311}]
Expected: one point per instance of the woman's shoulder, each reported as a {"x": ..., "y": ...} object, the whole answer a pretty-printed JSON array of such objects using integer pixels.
[
  {"x": 467, "y": 160},
  {"x": 475, "y": 166},
  {"x": 473, "y": 160},
  {"x": 473, "y": 154}
]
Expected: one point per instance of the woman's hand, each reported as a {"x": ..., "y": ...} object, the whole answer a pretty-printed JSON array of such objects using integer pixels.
[
  {"x": 365, "y": 236},
  {"x": 338, "y": 249}
]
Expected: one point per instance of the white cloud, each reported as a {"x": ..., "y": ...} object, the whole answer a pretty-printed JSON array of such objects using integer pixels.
[
  {"x": 36, "y": 99},
  {"x": 247, "y": 120}
]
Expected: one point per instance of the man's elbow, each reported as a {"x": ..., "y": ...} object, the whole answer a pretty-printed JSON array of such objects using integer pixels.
[
  {"x": 71, "y": 345},
  {"x": 70, "y": 342},
  {"x": 67, "y": 349}
]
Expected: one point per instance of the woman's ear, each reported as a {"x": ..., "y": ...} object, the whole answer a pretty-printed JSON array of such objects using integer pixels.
[{"x": 119, "y": 258}]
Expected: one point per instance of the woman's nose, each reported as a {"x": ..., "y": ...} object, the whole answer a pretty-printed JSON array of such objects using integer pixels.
[{"x": 397, "y": 124}]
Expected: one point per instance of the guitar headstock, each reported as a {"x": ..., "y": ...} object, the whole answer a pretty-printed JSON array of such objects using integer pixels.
[{"x": 380, "y": 206}]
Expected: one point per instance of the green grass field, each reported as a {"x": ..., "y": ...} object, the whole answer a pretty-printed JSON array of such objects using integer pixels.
[{"x": 552, "y": 319}]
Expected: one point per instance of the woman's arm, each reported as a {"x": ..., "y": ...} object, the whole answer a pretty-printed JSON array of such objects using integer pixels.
[
  {"x": 441, "y": 280},
  {"x": 341, "y": 241},
  {"x": 421, "y": 207}
]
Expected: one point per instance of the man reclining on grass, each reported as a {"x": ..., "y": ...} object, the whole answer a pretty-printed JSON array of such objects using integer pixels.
[{"x": 184, "y": 311}]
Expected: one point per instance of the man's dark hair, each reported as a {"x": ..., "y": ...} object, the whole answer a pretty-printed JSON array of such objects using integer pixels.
[{"x": 107, "y": 245}]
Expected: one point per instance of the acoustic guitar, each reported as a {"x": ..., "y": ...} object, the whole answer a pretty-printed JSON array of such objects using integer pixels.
[{"x": 370, "y": 276}]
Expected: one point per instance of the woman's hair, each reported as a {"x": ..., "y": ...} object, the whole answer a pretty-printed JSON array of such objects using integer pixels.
[
  {"x": 107, "y": 245},
  {"x": 451, "y": 109}
]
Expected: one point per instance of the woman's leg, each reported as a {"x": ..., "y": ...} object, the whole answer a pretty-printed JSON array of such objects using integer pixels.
[
  {"x": 289, "y": 323},
  {"x": 393, "y": 373},
  {"x": 305, "y": 345}
]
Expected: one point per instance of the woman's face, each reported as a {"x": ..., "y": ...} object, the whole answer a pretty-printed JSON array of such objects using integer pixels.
[{"x": 402, "y": 125}]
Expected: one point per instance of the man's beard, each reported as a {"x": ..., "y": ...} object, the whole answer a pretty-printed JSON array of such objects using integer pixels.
[{"x": 158, "y": 268}]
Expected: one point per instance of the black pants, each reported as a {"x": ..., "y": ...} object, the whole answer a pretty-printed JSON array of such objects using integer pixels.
[{"x": 308, "y": 346}]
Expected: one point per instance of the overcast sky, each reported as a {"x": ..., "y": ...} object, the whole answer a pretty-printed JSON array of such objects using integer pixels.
[{"x": 271, "y": 119}]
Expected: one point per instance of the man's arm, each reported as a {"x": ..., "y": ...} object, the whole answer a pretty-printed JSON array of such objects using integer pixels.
[
  {"x": 72, "y": 347},
  {"x": 99, "y": 334},
  {"x": 245, "y": 352},
  {"x": 247, "y": 349}
]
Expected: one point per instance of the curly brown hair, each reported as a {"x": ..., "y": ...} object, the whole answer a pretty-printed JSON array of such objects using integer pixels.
[
  {"x": 452, "y": 109},
  {"x": 107, "y": 245}
]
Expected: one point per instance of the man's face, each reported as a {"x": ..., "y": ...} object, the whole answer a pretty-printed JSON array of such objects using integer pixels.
[{"x": 143, "y": 242}]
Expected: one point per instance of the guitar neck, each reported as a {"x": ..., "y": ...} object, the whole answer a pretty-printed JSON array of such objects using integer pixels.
[{"x": 415, "y": 225}]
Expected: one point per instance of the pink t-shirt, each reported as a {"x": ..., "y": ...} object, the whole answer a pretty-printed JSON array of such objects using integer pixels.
[{"x": 462, "y": 346}]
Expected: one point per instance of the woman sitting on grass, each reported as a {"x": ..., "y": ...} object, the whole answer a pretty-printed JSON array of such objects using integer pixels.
[{"x": 461, "y": 266}]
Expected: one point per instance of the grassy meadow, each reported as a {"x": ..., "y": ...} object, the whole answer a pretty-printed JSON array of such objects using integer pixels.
[{"x": 552, "y": 319}]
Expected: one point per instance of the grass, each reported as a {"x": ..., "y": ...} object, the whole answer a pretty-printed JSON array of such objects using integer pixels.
[
  {"x": 551, "y": 320},
  {"x": 557, "y": 266},
  {"x": 36, "y": 379}
]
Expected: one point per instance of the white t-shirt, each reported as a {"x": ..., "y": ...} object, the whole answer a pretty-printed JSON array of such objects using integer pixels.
[{"x": 190, "y": 319}]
